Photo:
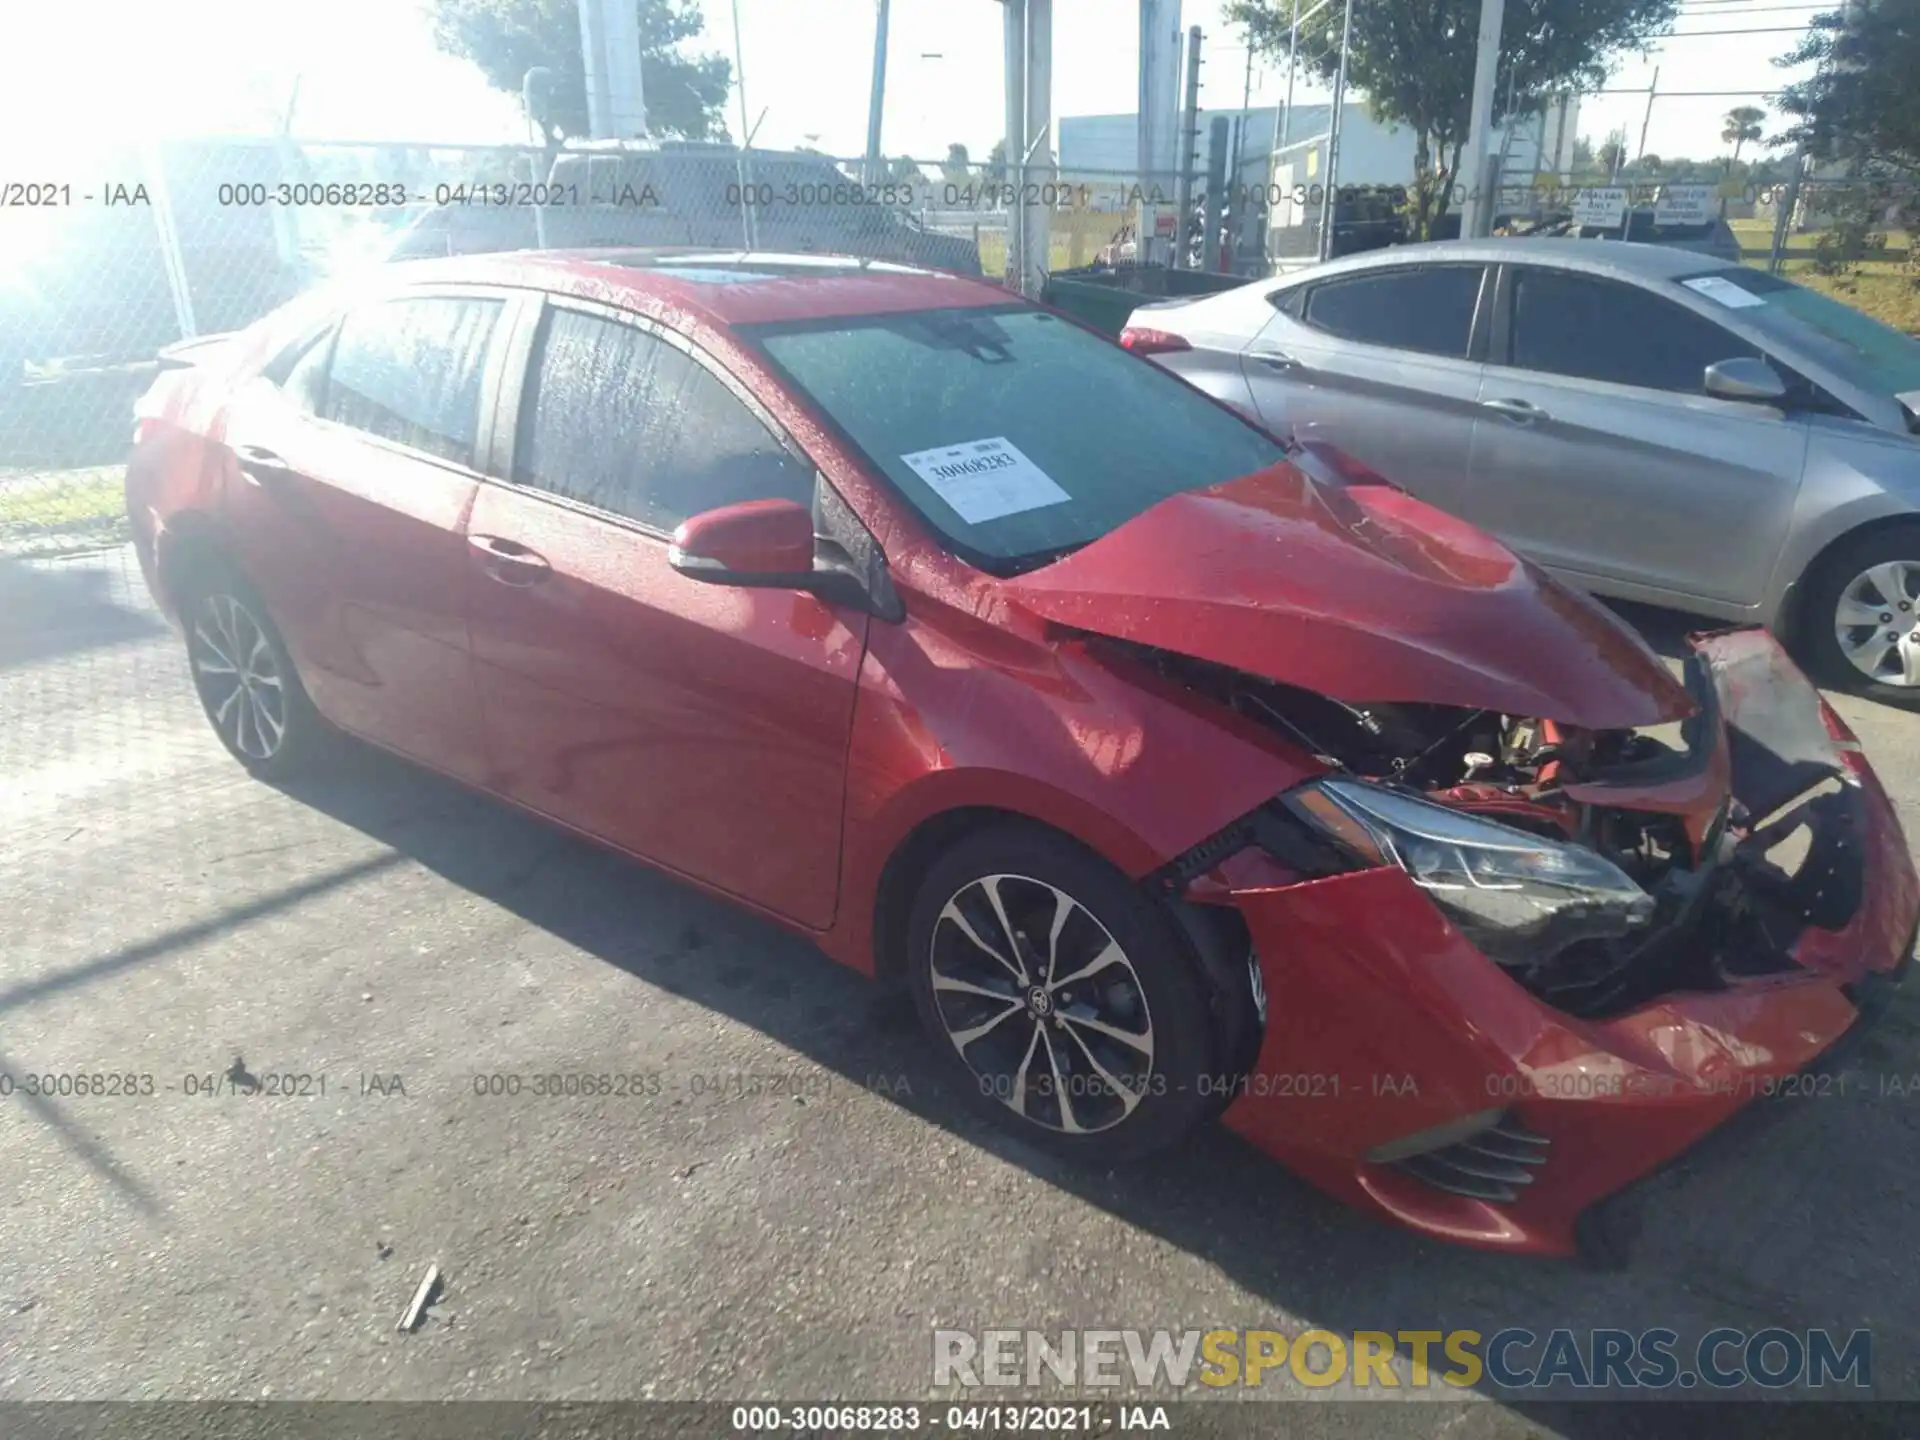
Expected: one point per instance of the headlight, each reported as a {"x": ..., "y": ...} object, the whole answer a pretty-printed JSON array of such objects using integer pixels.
[{"x": 1517, "y": 896}]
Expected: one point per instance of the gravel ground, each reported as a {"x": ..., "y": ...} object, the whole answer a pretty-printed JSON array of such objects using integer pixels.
[{"x": 166, "y": 916}]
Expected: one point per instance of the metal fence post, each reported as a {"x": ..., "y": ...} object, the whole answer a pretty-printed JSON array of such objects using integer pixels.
[
  {"x": 1330, "y": 204},
  {"x": 167, "y": 231},
  {"x": 1784, "y": 207}
]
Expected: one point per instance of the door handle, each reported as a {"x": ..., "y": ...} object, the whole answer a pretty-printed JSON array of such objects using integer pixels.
[
  {"x": 261, "y": 467},
  {"x": 509, "y": 562},
  {"x": 1275, "y": 359},
  {"x": 1520, "y": 412}
]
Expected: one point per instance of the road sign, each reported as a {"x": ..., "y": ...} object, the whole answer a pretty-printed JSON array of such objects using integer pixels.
[
  {"x": 1684, "y": 205},
  {"x": 1603, "y": 206}
]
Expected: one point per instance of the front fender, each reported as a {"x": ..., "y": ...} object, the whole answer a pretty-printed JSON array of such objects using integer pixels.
[
  {"x": 1854, "y": 477},
  {"x": 953, "y": 718}
]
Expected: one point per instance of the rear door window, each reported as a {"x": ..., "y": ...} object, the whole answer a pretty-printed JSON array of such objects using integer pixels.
[
  {"x": 410, "y": 371},
  {"x": 1427, "y": 310}
]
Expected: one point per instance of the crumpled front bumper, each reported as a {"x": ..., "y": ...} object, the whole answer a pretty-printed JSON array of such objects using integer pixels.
[{"x": 1386, "y": 1024}]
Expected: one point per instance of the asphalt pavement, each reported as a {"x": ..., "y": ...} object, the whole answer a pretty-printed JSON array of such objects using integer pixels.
[{"x": 779, "y": 1201}]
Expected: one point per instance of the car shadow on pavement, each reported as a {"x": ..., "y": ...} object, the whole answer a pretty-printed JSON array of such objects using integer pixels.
[
  {"x": 51, "y": 611},
  {"x": 1222, "y": 1201}
]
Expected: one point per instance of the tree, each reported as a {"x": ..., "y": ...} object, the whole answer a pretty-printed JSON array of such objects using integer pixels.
[
  {"x": 1414, "y": 61},
  {"x": 506, "y": 38},
  {"x": 902, "y": 171},
  {"x": 1582, "y": 153},
  {"x": 1742, "y": 123},
  {"x": 1613, "y": 152},
  {"x": 1649, "y": 164},
  {"x": 997, "y": 163},
  {"x": 1861, "y": 106},
  {"x": 957, "y": 168}
]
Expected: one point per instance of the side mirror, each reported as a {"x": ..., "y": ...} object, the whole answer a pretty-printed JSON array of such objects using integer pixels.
[
  {"x": 765, "y": 543},
  {"x": 1745, "y": 378}
]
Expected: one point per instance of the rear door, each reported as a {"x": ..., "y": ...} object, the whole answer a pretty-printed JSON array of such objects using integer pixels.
[
  {"x": 1598, "y": 453},
  {"x": 702, "y": 727},
  {"x": 1382, "y": 363},
  {"x": 354, "y": 468}
]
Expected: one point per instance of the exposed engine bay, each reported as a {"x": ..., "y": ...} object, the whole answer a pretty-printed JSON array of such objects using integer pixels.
[{"x": 1719, "y": 846}]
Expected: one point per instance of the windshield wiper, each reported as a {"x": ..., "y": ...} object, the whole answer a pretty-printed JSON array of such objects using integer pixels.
[{"x": 1040, "y": 559}]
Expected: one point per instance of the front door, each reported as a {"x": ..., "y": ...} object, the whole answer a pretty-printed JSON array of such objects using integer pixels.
[
  {"x": 703, "y": 728},
  {"x": 1599, "y": 454}
]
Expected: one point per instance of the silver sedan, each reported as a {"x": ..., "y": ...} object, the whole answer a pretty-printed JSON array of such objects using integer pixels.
[{"x": 1648, "y": 423}]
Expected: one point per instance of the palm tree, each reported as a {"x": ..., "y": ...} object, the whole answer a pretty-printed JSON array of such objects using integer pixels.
[{"x": 1742, "y": 124}]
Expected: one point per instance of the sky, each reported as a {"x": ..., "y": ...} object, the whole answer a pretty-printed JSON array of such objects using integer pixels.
[{"x": 80, "y": 74}]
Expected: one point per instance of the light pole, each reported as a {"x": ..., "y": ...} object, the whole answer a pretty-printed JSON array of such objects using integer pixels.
[
  {"x": 1479, "y": 213},
  {"x": 877, "y": 99}
]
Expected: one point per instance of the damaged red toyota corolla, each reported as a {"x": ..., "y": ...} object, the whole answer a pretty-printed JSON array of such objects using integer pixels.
[{"x": 1179, "y": 772}]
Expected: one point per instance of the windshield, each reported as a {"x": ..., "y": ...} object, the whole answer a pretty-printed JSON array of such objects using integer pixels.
[
  {"x": 1017, "y": 435},
  {"x": 1872, "y": 355}
]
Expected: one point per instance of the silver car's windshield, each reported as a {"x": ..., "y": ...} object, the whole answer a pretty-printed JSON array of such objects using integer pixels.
[{"x": 1874, "y": 356}]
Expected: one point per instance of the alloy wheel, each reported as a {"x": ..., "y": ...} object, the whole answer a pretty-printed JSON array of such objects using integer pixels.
[
  {"x": 1877, "y": 622},
  {"x": 238, "y": 677},
  {"x": 1042, "y": 1004}
]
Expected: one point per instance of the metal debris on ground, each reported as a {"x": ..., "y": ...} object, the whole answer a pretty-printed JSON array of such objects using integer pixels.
[{"x": 429, "y": 1283}]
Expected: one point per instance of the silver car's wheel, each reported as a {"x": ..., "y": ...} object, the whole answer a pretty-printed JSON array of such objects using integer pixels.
[
  {"x": 1877, "y": 623},
  {"x": 1042, "y": 1004},
  {"x": 239, "y": 678}
]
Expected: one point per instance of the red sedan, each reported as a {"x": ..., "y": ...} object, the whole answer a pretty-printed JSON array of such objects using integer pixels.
[{"x": 1180, "y": 771}]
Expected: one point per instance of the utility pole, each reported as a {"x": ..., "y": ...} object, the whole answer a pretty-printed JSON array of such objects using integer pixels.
[
  {"x": 1647, "y": 119},
  {"x": 1477, "y": 220},
  {"x": 1293, "y": 66},
  {"x": 1189, "y": 138},
  {"x": 877, "y": 100},
  {"x": 1036, "y": 249},
  {"x": 743, "y": 157},
  {"x": 1014, "y": 37},
  {"x": 610, "y": 51},
  {"x": 1330, "y": 200},
  {"x": 1246, "y": 103},
  {"x": 1159, "y": 119}
]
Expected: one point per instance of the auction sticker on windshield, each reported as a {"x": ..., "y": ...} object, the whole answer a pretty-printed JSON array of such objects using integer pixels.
[
  {"x": 985, "y": 479},
  {"x": 1725, "y": 291}
]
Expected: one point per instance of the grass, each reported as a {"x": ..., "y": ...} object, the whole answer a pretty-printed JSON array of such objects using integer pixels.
[
  {"x": 1881, "y": 286},
  {"x": 61, "y": 509}
]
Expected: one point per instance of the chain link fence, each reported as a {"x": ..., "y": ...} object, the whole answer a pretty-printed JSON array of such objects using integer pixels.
[{"x": 189, "y": 239}]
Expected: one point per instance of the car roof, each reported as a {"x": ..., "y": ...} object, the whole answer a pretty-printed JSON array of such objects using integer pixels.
[
  {"x": 1624, "y": 258},
  {"x": 727, "y": 288}
]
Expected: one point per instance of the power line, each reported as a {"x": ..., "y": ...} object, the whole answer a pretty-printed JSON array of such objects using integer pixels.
[
  {"x": 1755, "y": 30},
  {"x": 1683, "y": 94}
]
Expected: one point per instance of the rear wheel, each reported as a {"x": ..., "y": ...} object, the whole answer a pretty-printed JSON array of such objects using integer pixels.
[
  {"x": 246, "y": 681},
  {"x": 1067, "y": 1000},
  {"x": 1860, "y": 625}
]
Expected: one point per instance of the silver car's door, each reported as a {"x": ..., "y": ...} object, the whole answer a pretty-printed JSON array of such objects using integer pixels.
[
  {"x": 1380, "y": 362},
  {"x": 1599, "y": 454}
]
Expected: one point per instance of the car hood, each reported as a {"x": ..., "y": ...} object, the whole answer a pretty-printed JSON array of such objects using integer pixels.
[{"x": 1360, "y": 593}]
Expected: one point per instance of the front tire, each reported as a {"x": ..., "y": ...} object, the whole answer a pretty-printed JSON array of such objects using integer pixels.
[
  {"x": 1065, "y": 999},
  {"x": 1859, "y": 626},
  {"x": 246, "y": 680}
]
